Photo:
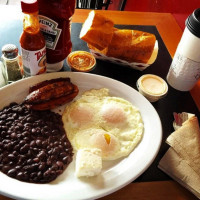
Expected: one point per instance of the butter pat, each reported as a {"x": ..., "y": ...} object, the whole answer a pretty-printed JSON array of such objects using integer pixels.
[
  {"x": 88, "y": 162},
  {"x": 152, "y": 87}
]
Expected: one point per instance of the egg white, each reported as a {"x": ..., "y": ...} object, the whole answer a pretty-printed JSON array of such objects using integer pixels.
[{"x": 97, "y": 120}]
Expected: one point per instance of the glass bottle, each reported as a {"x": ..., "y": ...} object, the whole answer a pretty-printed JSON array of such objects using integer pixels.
[
  {"x": 55, "y": 23},
  {"x": 32, "y": 41}
]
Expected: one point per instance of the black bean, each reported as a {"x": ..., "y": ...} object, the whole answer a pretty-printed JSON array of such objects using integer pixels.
[
  {"x": 63, "y": 154},
  {"x": 39, "y": 143},
  {"x": 30, "y": 119},
  {"x": 42, "y": 155},
  {"x": 22, "y": 176},
  {"x": 12, "y": 172},
  {"x": 18, "y": 167},
  {"x": 19, "y": 135},
  {"x": 56, "y": 143},
  {"x": 33, "y": 175},
  {"x": 1, "y": 166},
  {"x": 24, "y": 149},
  {"x": 33, "y": 143},
  {"x": 13, "y": 135},
  {"x": 65, "y": 159},
  {"x": 8, "y": 123},
  {"x": 29, "y": 162},
  {"x": 55, "y": 132},
  {"x": 11, "y": 157},
  {"x": 5, "y": 168},
  {"x": 36, "y": 160},
  {"x": 44, "y": 144},
  {"x": 3, "y": 116},
  {"x": 25, "y": 133},
  {"x": 42, "y": 165},
  {"x": 22, "y": 143},
  {"x": 33, "y": 130},
  {"x": 59, "y": 164},
  {"x": 15, "y": 153},
  {"x": 3, "y": 133},
  {"x": 39, "y": 174},
  {"x": 56, "y": 151},
  {"x": 16, "y": 147}
]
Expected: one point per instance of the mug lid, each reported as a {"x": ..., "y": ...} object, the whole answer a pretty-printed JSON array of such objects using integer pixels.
[{"x": 193, "y": 23}]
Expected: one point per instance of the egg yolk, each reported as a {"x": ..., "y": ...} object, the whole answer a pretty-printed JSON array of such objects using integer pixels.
[
  {"x": 81, "y": 115},
  {"x": 113, "y": 114},
  {"x": 107, "y": 138},
  {"x": 106, "y": 142}
]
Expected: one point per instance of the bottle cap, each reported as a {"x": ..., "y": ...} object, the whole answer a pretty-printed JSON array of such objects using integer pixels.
[
  {"x": 29, "y": 6},
  {"x": 10, "y": 51},
  {"x": 193, "y": 23}
]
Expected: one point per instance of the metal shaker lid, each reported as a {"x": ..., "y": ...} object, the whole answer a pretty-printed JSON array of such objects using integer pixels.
[
  {"x": 193, "y": 23},
  {"x": 10, "y": 51}
]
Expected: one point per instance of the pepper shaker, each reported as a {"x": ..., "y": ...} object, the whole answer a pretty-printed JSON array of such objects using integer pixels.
[
  {"x": 184, "y": 71},
  {"x": 10, "y": 58}
]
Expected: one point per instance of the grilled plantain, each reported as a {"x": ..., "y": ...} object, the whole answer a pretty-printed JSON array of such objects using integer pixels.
[{"x": 51, "y": 93}]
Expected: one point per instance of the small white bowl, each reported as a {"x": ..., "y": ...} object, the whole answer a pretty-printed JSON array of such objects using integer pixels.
[{"x": 152, "y": 87}]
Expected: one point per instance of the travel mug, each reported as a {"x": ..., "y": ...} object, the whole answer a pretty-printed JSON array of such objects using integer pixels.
[{"x": 184, "y": 71}]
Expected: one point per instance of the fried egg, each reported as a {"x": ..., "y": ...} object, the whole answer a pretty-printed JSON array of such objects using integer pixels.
[{"x": 98, "y": 120}]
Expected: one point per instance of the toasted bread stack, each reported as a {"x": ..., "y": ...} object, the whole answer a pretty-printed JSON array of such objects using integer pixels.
[{"x": 129, "y": 45}]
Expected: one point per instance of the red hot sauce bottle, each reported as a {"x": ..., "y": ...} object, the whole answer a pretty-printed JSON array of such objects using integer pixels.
[
  {"x": 55, "y": 24},
  {"x": 32, "y": 41}
]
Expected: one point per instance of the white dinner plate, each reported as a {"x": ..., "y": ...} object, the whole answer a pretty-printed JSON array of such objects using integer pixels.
[{"x": 115, "y": 174}]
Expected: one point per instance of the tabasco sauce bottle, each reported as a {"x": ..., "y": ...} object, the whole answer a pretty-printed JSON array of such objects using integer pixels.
[{"x": 32, "y": 41}]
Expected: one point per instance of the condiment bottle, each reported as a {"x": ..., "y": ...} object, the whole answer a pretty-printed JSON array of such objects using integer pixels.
[
  {"x": 55, "y": 24},
  {"x": 32, "y": 40},
  {"x": 184, "y": 71},
  {"x": 11, "y": 61}
]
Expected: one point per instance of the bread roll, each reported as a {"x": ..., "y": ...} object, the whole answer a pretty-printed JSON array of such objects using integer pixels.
[
  {"x": 97, "y": 30},
  {"x": 131, "y": 45}
]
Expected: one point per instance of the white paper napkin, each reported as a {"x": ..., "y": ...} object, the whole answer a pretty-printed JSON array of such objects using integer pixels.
[{"x": 182, "y": 160}]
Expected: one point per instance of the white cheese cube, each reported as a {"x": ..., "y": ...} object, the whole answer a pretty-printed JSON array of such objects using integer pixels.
[{"x": 88, "y": 162}]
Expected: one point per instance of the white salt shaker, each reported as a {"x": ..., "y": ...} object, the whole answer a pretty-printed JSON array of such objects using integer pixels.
[{"x": 184, "y": 71}]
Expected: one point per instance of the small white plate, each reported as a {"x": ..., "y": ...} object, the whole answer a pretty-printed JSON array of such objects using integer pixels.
[{"x": 115, "y": 174}]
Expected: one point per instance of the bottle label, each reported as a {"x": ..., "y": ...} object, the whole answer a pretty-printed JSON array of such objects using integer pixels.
[
  {"x": 185, "y": 68},
  {"x": 34, "y": 62},
  {"x": 50, "y": 30}
]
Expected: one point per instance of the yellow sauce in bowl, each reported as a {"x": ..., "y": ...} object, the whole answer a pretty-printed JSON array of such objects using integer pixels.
[{"x": 81, "y": 61}]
